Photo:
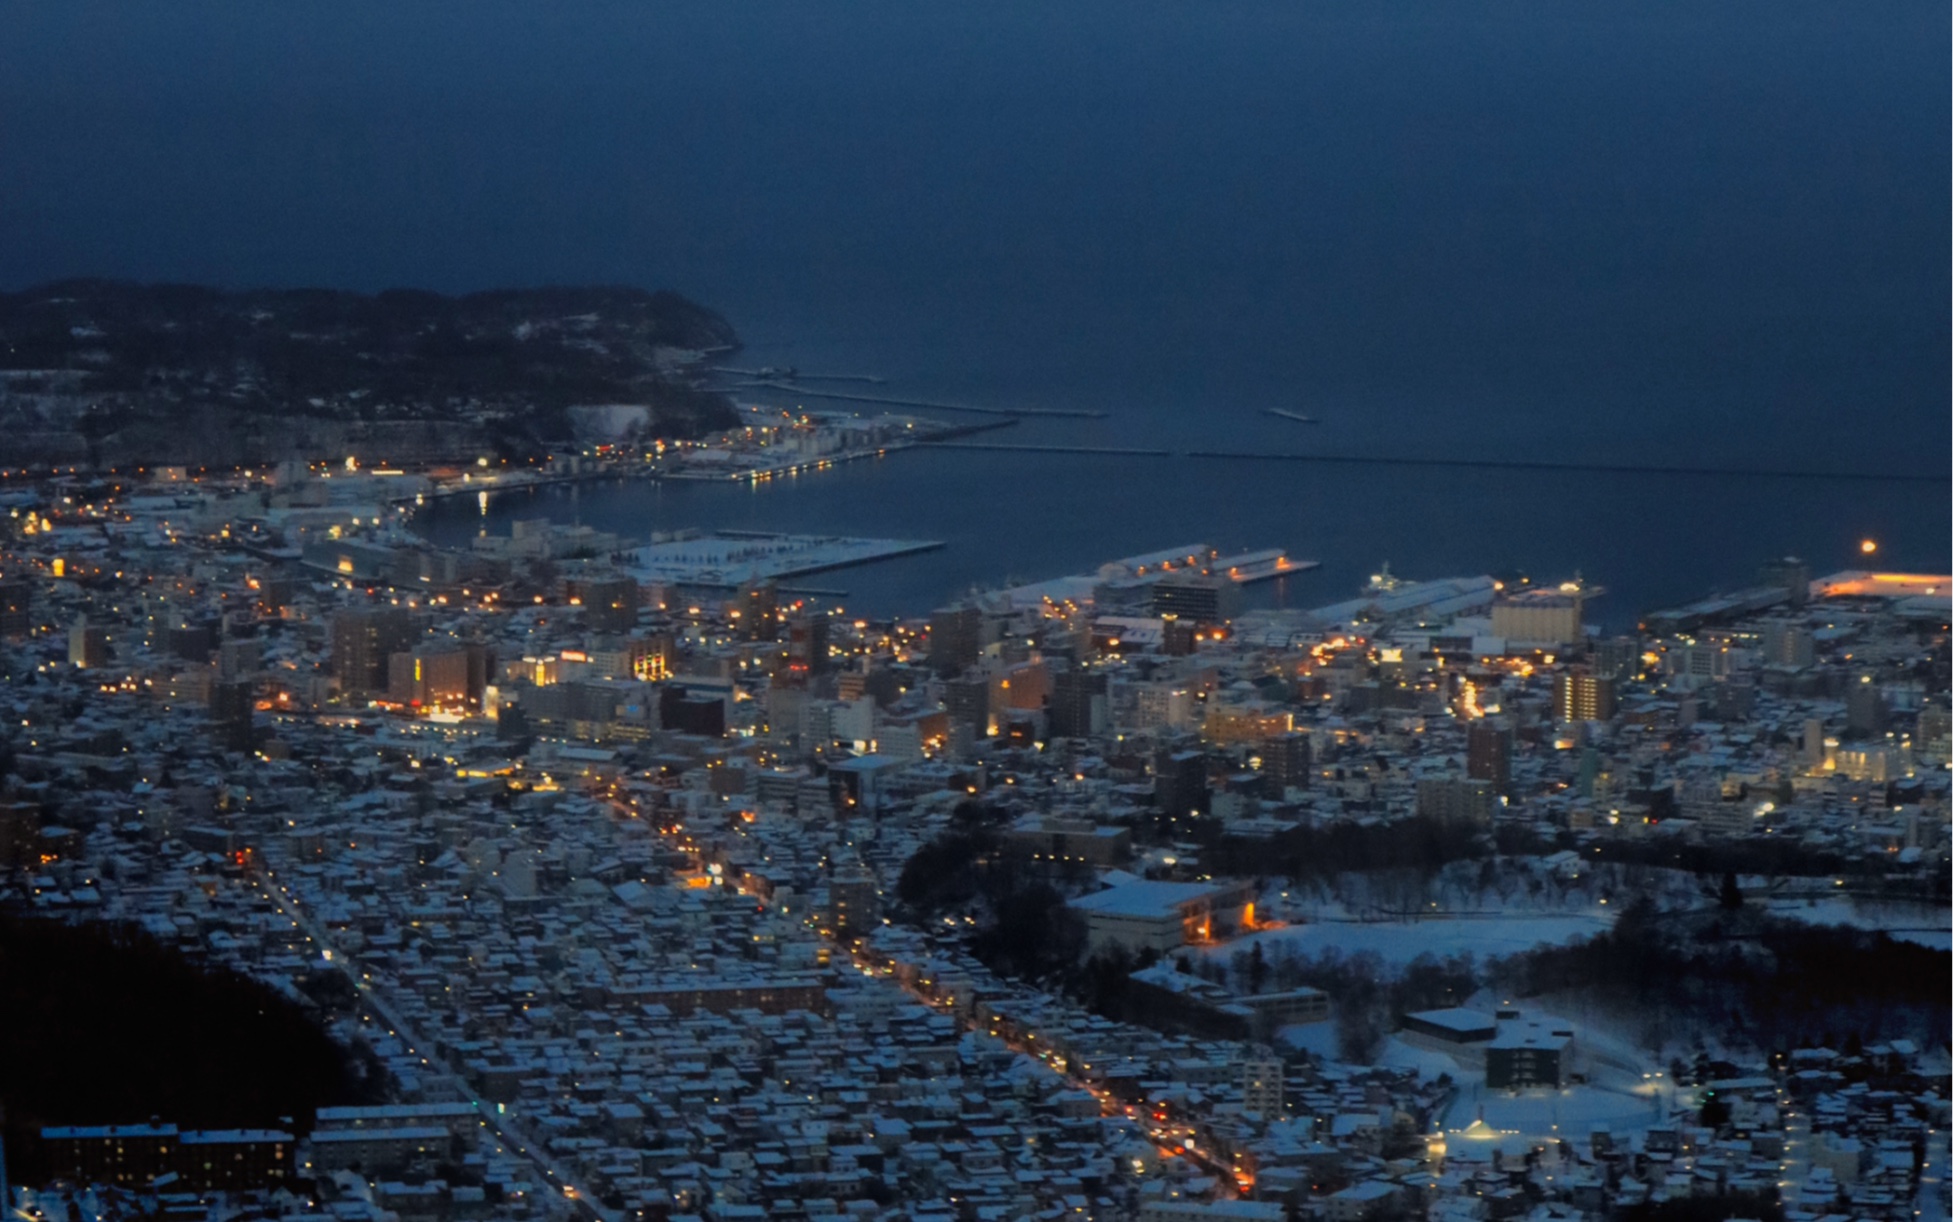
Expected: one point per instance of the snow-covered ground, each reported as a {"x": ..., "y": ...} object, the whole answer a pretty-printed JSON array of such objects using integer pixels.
[
  {"x": 1926, "y": 924},
  {"x": 1398, "y": 942},
  {"x": 1616, "y": 1095},
  {"x": 1570, "y": 1113}
]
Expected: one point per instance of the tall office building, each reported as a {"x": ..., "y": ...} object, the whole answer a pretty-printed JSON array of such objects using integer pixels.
[
  {"x": 967, "y": 702},
  {"x": 1177, "y": 635},
  {"x": 759, "y": 611},
  {"x": 238, "y": 659},
  {"x": 1078, "y": 704},
  {"x": 1813, "y": 751},
  {"x": 432, "y": 675},
  {"x": 1198, "y": 597},
  {"x": 1865, "y": 710},
  {"x": 610, "y": 604},
  {"x": 87, "y": 645},
  {"x": 1582, "y": 696},
  {"x": 1933, "y": 730},
  {"x": 1488, "y": 754},
  {"x": 232, "y": 703},
  {"x": 274, "y": 594},
  {"x": 955, "y": 639},
  {"x": 192, "y": 641},
  {"x": 1179, "y": 782},
  {"x": 1791, "y": 575},
  {"x": 363, "y": 640},
  {"x": 807, "y": 644}
]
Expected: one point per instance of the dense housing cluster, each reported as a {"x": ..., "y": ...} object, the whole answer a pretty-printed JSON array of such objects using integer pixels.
[{"x": 661, "y": 891}]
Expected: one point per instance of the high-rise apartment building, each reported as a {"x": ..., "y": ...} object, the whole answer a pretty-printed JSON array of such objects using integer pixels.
[
  {"x": 854, "y": 901},
  {"x": 1261, "y": 1087},
  {"x": 1582, "y": 696},
  {"x": 1287, "y": 760}
]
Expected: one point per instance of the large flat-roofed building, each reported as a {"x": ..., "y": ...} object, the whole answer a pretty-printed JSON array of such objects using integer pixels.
[
  {"x": 1456, "y": 798},
  {"x": 1529, "y": 1052},
  {"x": 1453, "y": 1026},
  {"x": 1285, "y": 1009},
  {"x": 382, "y": 1149},
  {"x": 1538, "y": 617},
  {"x": 132, "y": 1156},
  {"x": 429, "y": 676},
  {"x": 124, "y": 1155},
  {"x": 457, "y": 1118},
  {"x": 1159, "y": 916},
  {"x": 1069, "y": 841},
  {"x": 771, "y": 995}
]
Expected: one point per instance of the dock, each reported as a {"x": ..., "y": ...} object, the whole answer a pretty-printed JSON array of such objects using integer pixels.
[
  {"x": 1264, "y": 565},
  {"x": 730, "y": 559},
  {"x": 1151, "y": 568}
]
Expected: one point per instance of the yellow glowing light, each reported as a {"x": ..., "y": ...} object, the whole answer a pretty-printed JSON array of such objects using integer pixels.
[{"x": 1868, "y": 546}]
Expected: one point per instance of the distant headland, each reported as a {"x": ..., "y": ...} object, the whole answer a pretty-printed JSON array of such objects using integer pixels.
[{"x": 108, "y": 373}]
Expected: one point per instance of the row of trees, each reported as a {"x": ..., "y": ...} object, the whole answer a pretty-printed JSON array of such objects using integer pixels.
[
  {"x": 1421, "y": 845},
  {"x": 1026, "y": 930},
  {"x": 1747, "y": 977}
]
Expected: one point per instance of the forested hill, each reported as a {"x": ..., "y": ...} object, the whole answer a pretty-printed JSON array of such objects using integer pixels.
[
  {"x": 102, "y": 1024},
  {"x": 106, "y": 371}
]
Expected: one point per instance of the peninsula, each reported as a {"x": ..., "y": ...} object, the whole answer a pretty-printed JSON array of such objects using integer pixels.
[{"x": 107, "y": 373}]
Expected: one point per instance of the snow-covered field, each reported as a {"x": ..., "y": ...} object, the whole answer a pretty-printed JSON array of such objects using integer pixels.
[{"x": 1399, "y": 942}]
